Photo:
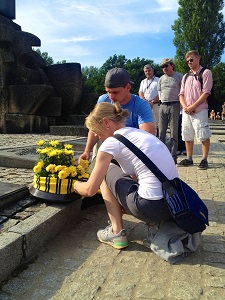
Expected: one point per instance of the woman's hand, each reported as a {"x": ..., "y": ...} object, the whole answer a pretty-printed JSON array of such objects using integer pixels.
[{"x": 91, "y": 187}]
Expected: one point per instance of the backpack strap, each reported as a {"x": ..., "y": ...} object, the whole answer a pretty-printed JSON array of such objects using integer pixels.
[
  {"x": 200, "y": 79},
  {"x": 186, "y": 76}
]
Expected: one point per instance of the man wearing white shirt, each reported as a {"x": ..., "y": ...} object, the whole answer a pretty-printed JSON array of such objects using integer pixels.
[{"x": 148, "y": 91}]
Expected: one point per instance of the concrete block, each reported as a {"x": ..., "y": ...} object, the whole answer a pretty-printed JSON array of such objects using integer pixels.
[
  {"x": 11, "y": 253},
  {"x": 45, "y": 225}
]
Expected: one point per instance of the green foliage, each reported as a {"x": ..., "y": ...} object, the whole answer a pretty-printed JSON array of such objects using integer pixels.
[
  {"x": 93, "y": 78},
  {"x": 219, "y": 79},
  {"x": 200, "y": 26},
  {"x": 48, "y": 59},
  {"x": 61, "y": 62},
  {"x": 114, "y": 62},
  {"x": 93, "y": 82}
]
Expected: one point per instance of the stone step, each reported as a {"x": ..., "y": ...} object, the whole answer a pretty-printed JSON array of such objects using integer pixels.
[
  {"x": 218, "y": 123},
  {"x": 218, "y": 132}
]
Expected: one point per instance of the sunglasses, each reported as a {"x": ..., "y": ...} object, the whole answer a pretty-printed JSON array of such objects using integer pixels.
[
  {"x": 190, "y": 60},
  {"x": 165, "y": 66}
]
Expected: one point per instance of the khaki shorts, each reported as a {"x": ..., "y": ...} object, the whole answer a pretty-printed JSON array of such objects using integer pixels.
[{"x": 196, "y": 126}]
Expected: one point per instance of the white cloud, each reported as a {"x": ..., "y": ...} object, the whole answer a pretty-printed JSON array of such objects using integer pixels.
[
  {"x": 74, "y": 39},
  {"x": 165, "y": 5},
  {"x": 96, "y": 19},
  {"x": 94, "y": 29}
]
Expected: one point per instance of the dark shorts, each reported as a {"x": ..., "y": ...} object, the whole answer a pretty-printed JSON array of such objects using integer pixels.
[{"x": 125, "y": 190}]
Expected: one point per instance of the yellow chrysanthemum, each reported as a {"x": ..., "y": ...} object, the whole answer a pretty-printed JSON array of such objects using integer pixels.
[
  {"x": 57, "y": 160},
  {"x": 37, "y": 168},
  {"x": 63, "y": 174},
  {"x": 51, "y": 168},
  {"x": 68, "y": 152},
  {"x": 68, "y": 146},
  {"x": 84, "y": 163},
  {"x": 60, "y": 168},
  {"x": 40, "y": 143},
  {"x": 54, "y": 143},
  {"x": 85, "y": 175},
  {"x": 80, "y": 169},
  {"x": 44, "y": 151},
  {"x": 52, "y": 153},
  {"x": 73, "y": 171},
  {"x": 41, "y": 163}
]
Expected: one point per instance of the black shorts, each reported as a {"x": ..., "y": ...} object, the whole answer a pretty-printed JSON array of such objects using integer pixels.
[{"x": 125, "y": 190}]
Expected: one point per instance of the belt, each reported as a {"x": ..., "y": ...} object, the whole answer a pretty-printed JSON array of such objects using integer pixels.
[{"x": 170, "y": 103}]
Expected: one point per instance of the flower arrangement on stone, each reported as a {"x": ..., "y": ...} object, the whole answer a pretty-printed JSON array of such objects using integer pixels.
[{"x": 56, "y": 168}]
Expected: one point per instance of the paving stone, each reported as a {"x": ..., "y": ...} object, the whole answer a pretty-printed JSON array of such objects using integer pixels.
[{"x": 74, "y": 265}]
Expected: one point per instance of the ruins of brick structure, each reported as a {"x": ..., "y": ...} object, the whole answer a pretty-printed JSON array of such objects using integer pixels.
[{"x": 33, "y": 96}]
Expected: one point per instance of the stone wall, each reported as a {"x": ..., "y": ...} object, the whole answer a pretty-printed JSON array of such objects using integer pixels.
[{"x": 34, "y": 96}]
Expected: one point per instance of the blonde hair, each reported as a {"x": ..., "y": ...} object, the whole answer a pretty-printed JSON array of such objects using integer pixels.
[
  {"x": 113, "y": 112},
  {"x": 194, "y": 52}
]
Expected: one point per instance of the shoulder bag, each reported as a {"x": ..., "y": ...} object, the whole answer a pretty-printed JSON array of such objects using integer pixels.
[{"x": 186, "y": 207}]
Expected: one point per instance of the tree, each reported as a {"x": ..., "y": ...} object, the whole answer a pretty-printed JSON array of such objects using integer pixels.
[
  {"x": 200, "y": 27},
  {"x": 219, "y": 79},
  {"x": 61, "y": 62},
  {"x": 113, "y": 62},
  {"x": 48, "y": 59},
  {"x": 135, "y": 69},
  {"x": 93, "y": 78}
]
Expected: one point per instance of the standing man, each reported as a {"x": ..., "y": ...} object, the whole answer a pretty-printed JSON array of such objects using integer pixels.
[
  {"x": 117, "y": 86},
  {"x": 193, "y": 98},
  {"x": 148, "y": 91},
  {"x": 168, "y": 88}
]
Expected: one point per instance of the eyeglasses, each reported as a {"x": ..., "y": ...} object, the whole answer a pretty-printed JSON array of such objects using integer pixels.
[
  {"x": 164, "y": 66},
  {"x": 190, "y": 60}
]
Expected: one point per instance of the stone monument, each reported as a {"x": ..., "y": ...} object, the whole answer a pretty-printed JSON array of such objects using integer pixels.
[{"x": 33, "y": 96}]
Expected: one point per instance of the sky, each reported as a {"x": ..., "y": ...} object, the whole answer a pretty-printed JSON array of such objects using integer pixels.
[{"x": 90, "y": 31}]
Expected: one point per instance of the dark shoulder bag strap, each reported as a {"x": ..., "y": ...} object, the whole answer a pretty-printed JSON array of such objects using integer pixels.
[{"x": 144, "y": 158}]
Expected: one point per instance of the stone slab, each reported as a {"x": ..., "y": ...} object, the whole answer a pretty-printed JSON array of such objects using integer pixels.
[
  {"x": 9, "y": 188},
  {"x": 22, "y": 242},
  {"x": 10, "y": 192},
  {"x": 25, "y": 156}
]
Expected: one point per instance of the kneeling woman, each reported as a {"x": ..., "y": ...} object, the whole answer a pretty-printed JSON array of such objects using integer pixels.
[{"x": 126, "y": 183}]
